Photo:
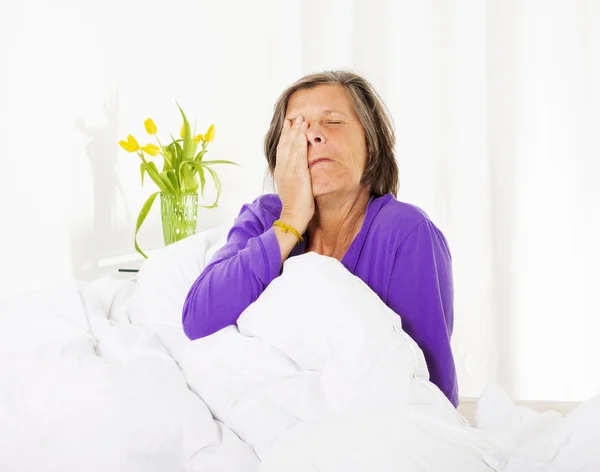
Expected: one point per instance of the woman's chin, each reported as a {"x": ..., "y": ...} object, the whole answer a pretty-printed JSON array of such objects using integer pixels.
[
  {"x": 323, "y": 185},
  {"x": 322, "y": 190},
  {"x": 320, "y": 185}
]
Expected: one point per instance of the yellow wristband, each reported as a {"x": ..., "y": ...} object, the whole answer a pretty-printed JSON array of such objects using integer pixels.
[{"x": 287, "y": 228}]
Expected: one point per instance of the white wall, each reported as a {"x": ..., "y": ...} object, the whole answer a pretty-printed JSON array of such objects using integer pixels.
[{"x": 79, "y": 76}]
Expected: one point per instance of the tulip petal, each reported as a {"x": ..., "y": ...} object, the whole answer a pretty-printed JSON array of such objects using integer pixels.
[
  {"x": 124, "y": 145},
  {"x": 210, "y": 134},
  {"x": 150, "y": 126},
  {"x": 131, "y": 145},
  {"x": 151, "y": 149}
]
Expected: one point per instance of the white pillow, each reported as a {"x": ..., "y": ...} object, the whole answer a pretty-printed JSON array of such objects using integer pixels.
[{"x": 167, "y": 275}]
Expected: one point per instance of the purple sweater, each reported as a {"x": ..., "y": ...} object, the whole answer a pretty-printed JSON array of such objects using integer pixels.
[{"x": 398, "y": 252}]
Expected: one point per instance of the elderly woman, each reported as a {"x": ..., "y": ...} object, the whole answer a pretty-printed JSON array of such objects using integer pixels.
[{"x": 330, "y": 148}]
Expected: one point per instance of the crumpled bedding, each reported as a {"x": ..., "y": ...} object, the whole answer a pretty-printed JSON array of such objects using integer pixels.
[
  {"x": 317, "y": 376},
  {"x": 317, "y": 350},
  {"x": 81, "y": 391}
]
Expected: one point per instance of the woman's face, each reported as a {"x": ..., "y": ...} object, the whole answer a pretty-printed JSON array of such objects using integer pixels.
[{"x": 336, "y": 139}]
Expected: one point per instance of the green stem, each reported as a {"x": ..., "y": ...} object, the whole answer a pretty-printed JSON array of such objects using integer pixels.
[{"x": 163, "y": 152}]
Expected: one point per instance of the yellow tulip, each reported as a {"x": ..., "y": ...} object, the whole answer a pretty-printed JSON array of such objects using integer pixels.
[
  {"x": 150, "y": 126},
  {"x": 182, "y": 132},
  {"x": 131, "y": 145},
  {"x": 210, "y": 134},
  {"x": 151, "y": 149},
  {"x": 198, "y": 138}
]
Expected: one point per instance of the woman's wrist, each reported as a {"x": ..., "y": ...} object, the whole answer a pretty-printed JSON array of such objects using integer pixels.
[
  {"x": 298, "y": 223},
  {"x": 286, "y": 240},
  {"x": 289, "y": 229}
]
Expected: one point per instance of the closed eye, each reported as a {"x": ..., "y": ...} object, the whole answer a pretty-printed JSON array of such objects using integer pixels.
[{"x": 334, "y": 122}]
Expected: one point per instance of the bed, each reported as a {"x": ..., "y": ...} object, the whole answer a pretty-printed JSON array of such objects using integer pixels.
[{"x": 99, "y": 376}]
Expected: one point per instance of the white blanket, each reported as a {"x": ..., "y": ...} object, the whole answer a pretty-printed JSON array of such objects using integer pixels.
[
  {"x": 319, "y": 376},
  {"x": 80, "y": 391}
]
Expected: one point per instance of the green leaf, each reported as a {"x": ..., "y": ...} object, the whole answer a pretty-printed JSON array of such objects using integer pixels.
[
  {"x": 208, "y": 163},
  {"x": 178, "y": 154},
  {"x": 188, "y": 139},
  {"x": 188, "y": 180},
  {"x": 217, "y": 182},
  {"x": 198, "y": 167},
  {"x": 167, "y": 181},
  {"x": 155, "y": 176},
  {"x": 202, "y": 179},
  {"x": 174, "y": 153},
  {"x": 141, "y": 217},
  {"x": 142, "y": 169},
  {"x": 200, "y": 155},
  {"x": 167, "y": 158},
  {"x": 173, "y": 179}
]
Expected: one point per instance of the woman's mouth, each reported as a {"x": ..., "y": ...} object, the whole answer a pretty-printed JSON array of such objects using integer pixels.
[{"x": 317, "y": 161}]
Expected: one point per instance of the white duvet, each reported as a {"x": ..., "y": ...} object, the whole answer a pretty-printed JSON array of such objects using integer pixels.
[
  {"x": 82, "y": 392},
  {"x": 318, "y": 376}
]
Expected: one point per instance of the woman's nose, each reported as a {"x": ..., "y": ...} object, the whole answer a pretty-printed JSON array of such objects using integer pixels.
[{"x": 315, "y": 135}]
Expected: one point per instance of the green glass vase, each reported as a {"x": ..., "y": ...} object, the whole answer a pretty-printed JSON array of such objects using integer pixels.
[{"x": 178, "y": 213}]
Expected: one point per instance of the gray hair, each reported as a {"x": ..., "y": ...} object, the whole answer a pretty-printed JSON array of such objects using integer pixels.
[{"x": 381, "y": 173}]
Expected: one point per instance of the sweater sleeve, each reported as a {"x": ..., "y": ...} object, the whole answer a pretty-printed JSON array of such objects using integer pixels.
[
  {"x": 421, "y": 291},
  {"x": 238, "y": 273}
]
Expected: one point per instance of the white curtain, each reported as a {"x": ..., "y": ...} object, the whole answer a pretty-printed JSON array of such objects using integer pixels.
[{"x": 497, "y": 112}]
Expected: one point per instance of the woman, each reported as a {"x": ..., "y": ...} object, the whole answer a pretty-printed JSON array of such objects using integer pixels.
[{"x": 330, "y": 148}]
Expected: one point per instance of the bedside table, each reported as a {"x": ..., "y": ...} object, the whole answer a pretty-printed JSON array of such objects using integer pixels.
[{"x": 127, "y": 274}]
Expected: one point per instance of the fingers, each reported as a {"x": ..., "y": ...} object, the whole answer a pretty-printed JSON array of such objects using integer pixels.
[
  {"x": 292, "y": 149},
  {"x": 297, "y": 135},
  {"x": 300, "y": 125},
  {"x": 293, "y": 128},
  {"x": 293, "y": 134}
]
